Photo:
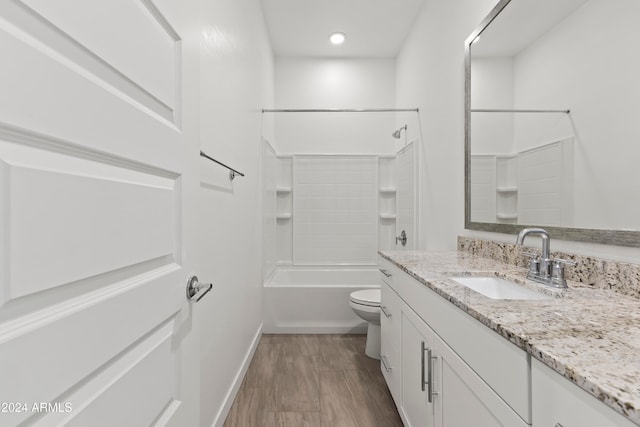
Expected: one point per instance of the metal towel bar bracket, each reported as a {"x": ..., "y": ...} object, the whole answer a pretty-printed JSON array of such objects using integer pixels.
[{"x": 232, "y": 171}]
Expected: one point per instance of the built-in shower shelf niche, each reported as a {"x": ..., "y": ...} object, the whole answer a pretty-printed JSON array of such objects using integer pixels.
[
  {"x": 387, "y": 197},
  {"x": 284, "y": 210},
  {"x": 302, "y": 183},
  {"x": 506, "y": 189}
]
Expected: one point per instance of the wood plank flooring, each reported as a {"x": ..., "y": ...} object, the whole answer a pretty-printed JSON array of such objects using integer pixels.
[{"x": 313, "y": 381}]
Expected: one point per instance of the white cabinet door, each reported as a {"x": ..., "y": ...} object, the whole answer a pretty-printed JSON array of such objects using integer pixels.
[
  {"x": 417, "y": 338},
  {"x": 466, "y": 400},
  {"x": 98, "y": 148},
  {"x": 557, "y": 402},
  {"x": 439, "y": 388}
]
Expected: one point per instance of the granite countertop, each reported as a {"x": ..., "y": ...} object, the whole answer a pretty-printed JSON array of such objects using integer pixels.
[{"x": 590, "y": 336}]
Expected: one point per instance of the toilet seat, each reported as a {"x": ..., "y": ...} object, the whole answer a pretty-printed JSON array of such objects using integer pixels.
[{"x": 368, "y": 297}]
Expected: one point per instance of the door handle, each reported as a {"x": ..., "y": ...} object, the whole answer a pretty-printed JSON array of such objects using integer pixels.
[
  {"x": 423, "y": 382},
  {"x": 196, "y": 290},
  {"x": 430, "y": 391},
  {"x": 427, "y": 365}
]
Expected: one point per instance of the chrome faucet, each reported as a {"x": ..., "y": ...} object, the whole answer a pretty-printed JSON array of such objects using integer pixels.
[{"x": 544, "y": 270}]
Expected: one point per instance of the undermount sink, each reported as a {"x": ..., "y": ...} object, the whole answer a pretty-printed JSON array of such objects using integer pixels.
[{"x": 497, "y": 288}]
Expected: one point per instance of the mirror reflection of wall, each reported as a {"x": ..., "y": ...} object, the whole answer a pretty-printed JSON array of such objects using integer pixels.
[{"x": 572, "y": 170}]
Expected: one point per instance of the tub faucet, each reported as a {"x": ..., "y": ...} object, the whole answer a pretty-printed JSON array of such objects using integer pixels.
[{"x": 544, "y": 270}]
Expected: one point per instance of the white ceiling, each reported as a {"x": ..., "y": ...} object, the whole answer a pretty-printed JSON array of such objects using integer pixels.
[
  {"x": 519, "y": 24},
  {"x": 374, "y": 28}
]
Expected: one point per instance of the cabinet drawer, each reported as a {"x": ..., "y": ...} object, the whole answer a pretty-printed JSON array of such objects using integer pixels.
[
  {"x": 388, "y": 272},
  {"x": 390, "y": 340},
  {"x": 390, "y": 365},
  {"x": 390, "y": 316},
  {"x": 559, "y": 402}
]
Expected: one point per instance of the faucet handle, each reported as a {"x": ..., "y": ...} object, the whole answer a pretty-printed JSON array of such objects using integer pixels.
[
  {"x": 534, "y": 264},
  {"x": 560, "y": 261},
  {"x": 557, "y": 273}
]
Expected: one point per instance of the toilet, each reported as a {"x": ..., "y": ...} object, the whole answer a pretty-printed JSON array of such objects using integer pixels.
[{"x": 366, "y": 304}]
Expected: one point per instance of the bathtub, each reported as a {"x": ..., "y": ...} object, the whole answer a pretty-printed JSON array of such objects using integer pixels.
[{"x": 315, "y": 300}]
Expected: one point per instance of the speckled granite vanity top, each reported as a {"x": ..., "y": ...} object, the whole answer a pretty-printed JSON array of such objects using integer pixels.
[{"x": 590, "y": 336}]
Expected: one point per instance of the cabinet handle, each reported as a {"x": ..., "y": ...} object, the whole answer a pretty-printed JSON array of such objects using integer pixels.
[
  {"x": 422, "y": 367},
  {"x": 430, "y": 391},
  {"x": 383, "y": 359},
  {"x": 385, "y": 272},
  {"x": 385, "y": 312}
]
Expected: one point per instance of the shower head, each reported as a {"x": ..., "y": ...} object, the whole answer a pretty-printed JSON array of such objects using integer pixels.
[{"x": 396, "y": 134}]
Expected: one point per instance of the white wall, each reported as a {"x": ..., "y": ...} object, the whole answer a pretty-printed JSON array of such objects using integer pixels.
[
  {"x": 492, "y": 87},
  {"x": 430, "y": 74},
  {"x": 603, "y": 98},
  {"x": 334, "y": 83},
  {"x": 236, "y": 82}
]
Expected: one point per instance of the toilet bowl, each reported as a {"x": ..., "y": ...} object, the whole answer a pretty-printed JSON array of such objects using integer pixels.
[{"x": 366, "y": 304}]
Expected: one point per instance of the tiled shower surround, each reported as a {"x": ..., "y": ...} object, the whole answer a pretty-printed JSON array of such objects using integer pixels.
[{"x": 599, "y": 273}]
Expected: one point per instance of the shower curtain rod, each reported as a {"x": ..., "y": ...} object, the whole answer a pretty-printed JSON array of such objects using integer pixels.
[
  {"x": 489, "y": 110},
  {"x": 337, "y": 110}
]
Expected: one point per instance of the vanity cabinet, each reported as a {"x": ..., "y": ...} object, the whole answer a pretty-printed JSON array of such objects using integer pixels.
[
  {"x": 439, "y": 388},
  {"x": 557, "y": 402},
  {"x": 390, "y": 318},
  {"x": 473, "y": 379}
]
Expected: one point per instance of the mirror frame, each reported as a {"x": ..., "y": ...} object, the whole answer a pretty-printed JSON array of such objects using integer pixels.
[{"x": 602, "y": 236}]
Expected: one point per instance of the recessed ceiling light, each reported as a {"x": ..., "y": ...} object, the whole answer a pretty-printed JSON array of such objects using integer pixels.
[{"x": 337, "y": 38}]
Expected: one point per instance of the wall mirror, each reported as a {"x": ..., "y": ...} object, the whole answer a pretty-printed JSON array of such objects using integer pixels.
[{"x": 552, "y": 120}]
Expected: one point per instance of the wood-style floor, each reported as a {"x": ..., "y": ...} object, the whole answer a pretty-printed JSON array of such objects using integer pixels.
[{"x": 313, "y": 381}]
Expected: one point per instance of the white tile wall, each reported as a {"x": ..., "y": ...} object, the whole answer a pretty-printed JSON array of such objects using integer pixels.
[
  {"x": 406, "y": 194},
  {"x": 284, "y": 210},
  {"x": 269, "y": 165},
  {"x": 542, "y": 185},
  {"x": 483, "y": 188},
  {"x": 335, "y": 208},
  {"x": 387, "y": 202}
]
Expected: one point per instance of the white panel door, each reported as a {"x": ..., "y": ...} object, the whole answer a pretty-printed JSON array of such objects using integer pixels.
[{"x": 98, "y": 141}]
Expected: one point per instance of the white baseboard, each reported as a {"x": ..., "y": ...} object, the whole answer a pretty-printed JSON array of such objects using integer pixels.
[
  {"x": 237, "y": 382},
  {"x": 292, "y": 328}
]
